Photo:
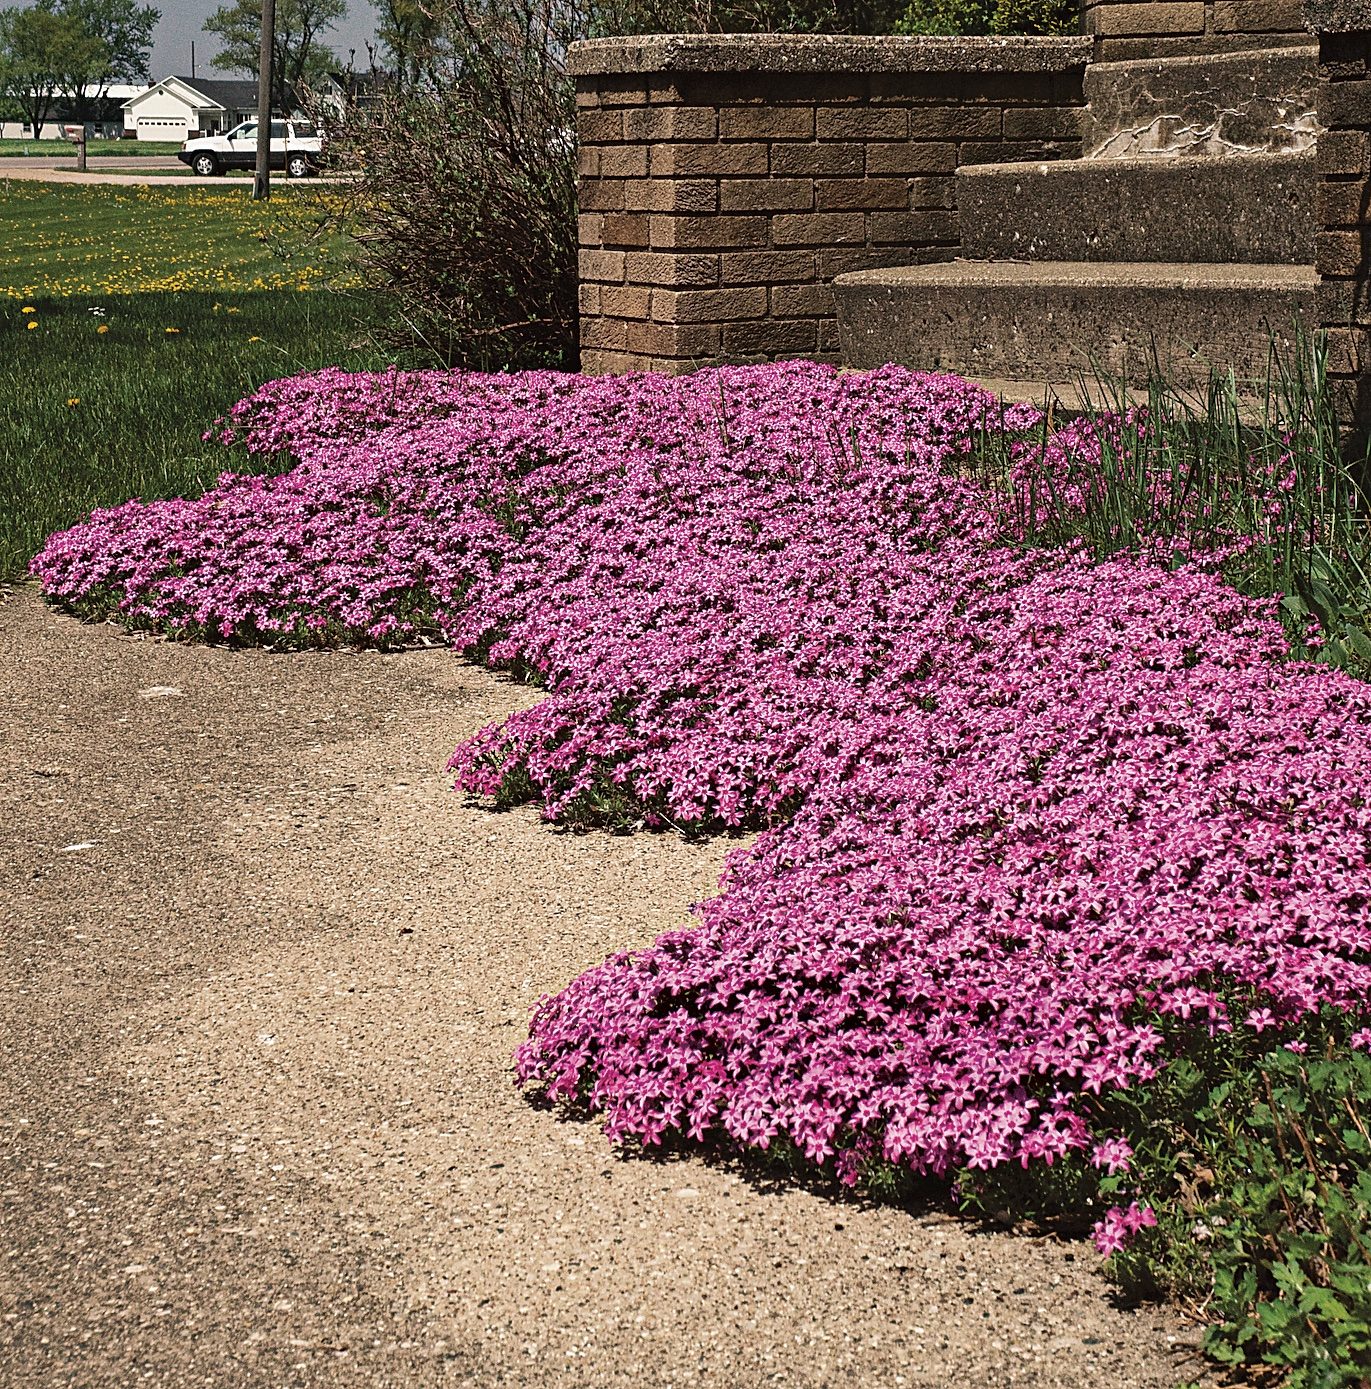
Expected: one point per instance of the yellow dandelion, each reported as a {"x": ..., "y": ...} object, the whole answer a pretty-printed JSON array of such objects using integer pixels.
[
  {"x": 32, "y": 323},
  {"x": 254, "y": 339},
  {"x": 173, "y": 330},
  {"x": 73, "y": 400},
  {"x": 28, "y": 308},
  {"x": 103, "y": 329}
]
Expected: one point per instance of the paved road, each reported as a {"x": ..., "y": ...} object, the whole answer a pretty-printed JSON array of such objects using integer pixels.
[{"x": 260, "y": 975}]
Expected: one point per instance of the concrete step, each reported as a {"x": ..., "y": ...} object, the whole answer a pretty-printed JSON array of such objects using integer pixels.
[
  {"x": 1215, "y": 104},
  {"x": 1050, "y": 320},
  {"x": 1244, "y": 208}
]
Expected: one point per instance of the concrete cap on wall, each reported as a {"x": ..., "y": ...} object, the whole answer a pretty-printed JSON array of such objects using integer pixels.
[
  {"x": 825, "y": 53},
  {"x": 1337, "y": 16}
]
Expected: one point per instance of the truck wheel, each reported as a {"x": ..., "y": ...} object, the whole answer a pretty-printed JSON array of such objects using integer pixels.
[
  {"x": 206, "y": 165},
  {"x": 297, "y": 166}
]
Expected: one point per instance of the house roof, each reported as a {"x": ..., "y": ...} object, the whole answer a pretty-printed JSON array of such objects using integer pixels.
[
  {"x": 223, "y": 93},
  {"x": 232, "y": 93}
]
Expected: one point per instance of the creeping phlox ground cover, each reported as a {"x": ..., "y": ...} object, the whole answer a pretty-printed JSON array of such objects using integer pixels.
[{"x": 1034, "y": 825}]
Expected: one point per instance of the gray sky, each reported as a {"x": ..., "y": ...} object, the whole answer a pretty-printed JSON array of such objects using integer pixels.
[{"x": 180, "y": 27}]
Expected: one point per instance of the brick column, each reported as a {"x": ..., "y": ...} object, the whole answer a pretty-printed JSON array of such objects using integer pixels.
[
  {"x": 726, "y": 179},
  {"x": 1343, "y": 256}
]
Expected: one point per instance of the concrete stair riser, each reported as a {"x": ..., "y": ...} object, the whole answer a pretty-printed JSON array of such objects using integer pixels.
[
  {"x": 1241, "y": 209},
  {"x": 1212, "y": 105},
  {"x": 1047, "y": 322}
]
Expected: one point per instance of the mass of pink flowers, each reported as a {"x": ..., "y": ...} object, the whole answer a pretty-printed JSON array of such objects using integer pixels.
[{"x": 1029, "y": 819}]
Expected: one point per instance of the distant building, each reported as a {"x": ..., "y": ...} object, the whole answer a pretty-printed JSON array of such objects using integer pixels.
[{"x": 108, "y": 122}]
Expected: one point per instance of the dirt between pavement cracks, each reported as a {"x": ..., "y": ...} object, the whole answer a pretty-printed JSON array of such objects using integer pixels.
[{"x": 262, "y": 974}]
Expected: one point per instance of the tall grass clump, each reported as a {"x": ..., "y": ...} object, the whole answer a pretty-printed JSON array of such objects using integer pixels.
[{"x": 1261, "y": 489}]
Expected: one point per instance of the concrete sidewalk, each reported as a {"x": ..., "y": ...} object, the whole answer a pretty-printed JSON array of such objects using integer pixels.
[{"x": 261, "y": 972}]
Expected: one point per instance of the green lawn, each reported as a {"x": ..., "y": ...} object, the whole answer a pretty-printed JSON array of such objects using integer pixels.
[
  {"x": 91, "y": 418},
  {"x": 50, "y": 149}
]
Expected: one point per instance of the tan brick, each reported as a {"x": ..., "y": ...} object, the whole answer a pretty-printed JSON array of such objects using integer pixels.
[
  {"x": 625, "y": 229},
  {"x": 766, "y": 194},
  {"x": 1152, "y": 18},
  {"x": 801, "y": 301},
  {"x": 1343, "y": 204},
  {"x": 588, "y": 298},
  {"x": 840, "y": 261},
  {"x": 601, "y": 195},
  {"x": 861, "y": 123},
  {"x": 1009, "y": 88},
  {"x": 911, "y": 157},
  {"x": 956, "y": 123},
  {"x": 588, "y": 160},
  {"x": 590, "y": 229},
  {"x": 838, "y": 194},
  {"x": 605, "y": 333},
  {"x": 1342, "y": 152},
  {"x": 1042, "y": 123},
  {"x": 1258, "y": 16},
  {"x": 592, "y": 264},
  {"x": 669, "y": 232},
  {"x": 766, "y": 123},
  {"x": 621, "y": 161},
  {"x": 622, "y": 89},
  {"x": 1349, "y": 350},
  {"x": 707, "y": 305},
  {"x": 672, "y": 272},
  {"x": 671, "y": 123},
  {"x": 712, "y": 161},
  {"x": 664, "y": 89},
  {"x": 912, "y": 228},
  {"x": 818, "y": 228},
  {"x": 1340, "y": 253},
  {"x": 587, "y": 96},
  {"x": 695, "y": 195},
  {"x": 599, "y": 127},
  {"x": 918, "y": 87},
  {"x": 676, "y": 339},
  {"x": 1343, "y": 301},
  {"x": 596, "y": 363},
  {"x": 829, "y": 160},
  {"x": 932, "y": 192},
  {"x": 1344, "y": 104},
  {"x": 766, "y": 267},
  {"x": 625, "y": 301},
  {"x": 766, "y": 337}
]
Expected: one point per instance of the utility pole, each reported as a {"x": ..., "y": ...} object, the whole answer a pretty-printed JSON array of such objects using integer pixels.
[{"x": 261, "y": 182}]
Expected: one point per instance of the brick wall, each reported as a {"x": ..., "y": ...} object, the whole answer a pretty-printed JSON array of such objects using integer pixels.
[
  {"x": 1161, "y": 28},
  {"x": 1344, "y": 201},
  {"x": 726, "y": 179}
]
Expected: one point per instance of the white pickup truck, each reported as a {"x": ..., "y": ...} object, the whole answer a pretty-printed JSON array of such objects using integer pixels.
[{"x": 295, "y": 147}]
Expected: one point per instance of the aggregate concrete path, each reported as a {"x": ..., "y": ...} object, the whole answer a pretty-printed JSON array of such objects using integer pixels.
[
  {"x": 262, "y": 973},
  {"x": 49, "y": 171}
]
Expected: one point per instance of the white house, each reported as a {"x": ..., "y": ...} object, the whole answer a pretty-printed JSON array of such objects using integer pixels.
[{"x": 176, "y": 107}]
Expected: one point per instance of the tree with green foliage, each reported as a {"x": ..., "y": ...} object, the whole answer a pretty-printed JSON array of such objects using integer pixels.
[
  {"x": 123, "y": 31},
  {"x": 299, "y": 54},
  {"x": 410, "y": 36},
  {"x": 39, "y": 51}
]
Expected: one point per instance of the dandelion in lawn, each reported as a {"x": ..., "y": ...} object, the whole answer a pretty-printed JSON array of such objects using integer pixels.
[
  {"x": 31, "y": 324},
  {"x": 103, "y": 328},
  {"x": 73, "y": 400},
  {"x": 171, "y": 332},
  {"x": 254, "y": 339},
  {"x": 28, "y": 308}
]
